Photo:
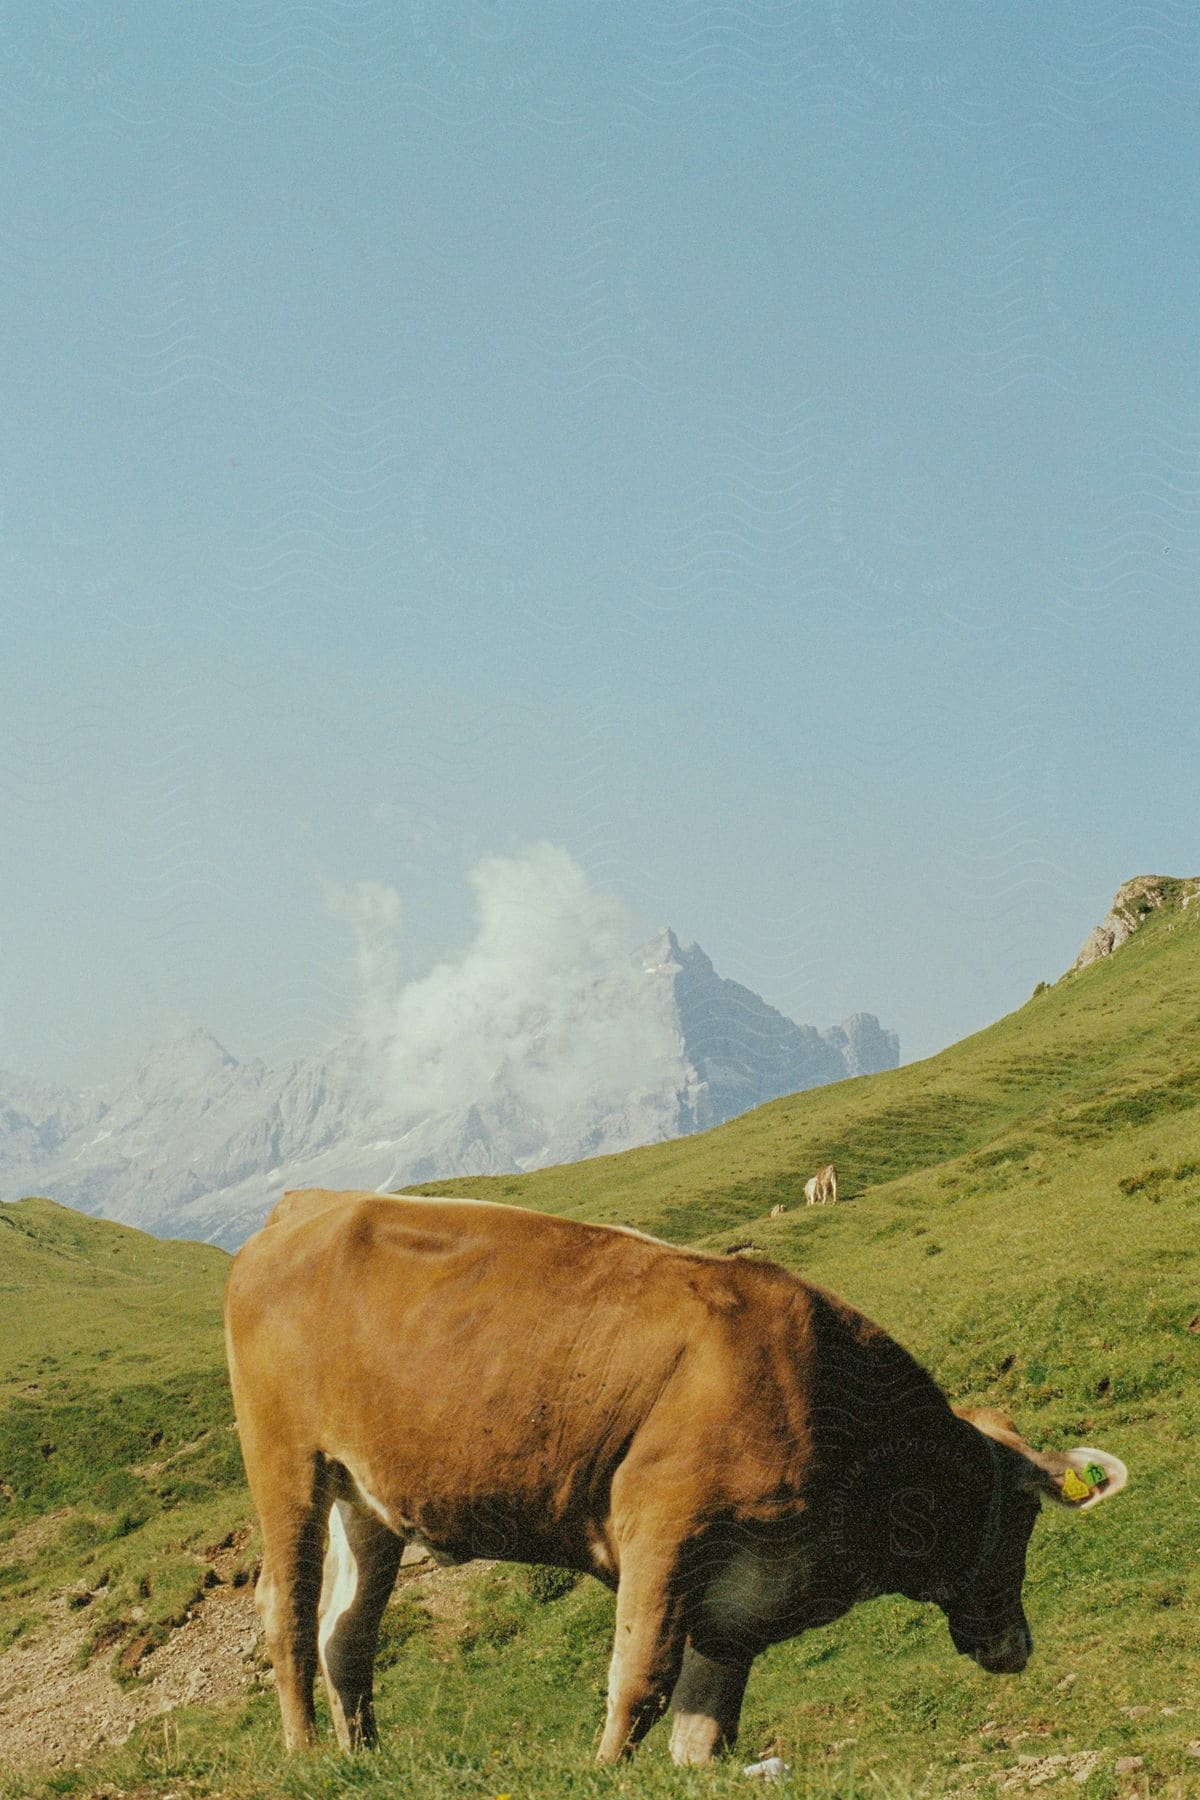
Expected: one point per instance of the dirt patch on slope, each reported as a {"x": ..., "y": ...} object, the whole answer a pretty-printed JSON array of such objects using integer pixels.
[{"x": 54, "y": 1712}]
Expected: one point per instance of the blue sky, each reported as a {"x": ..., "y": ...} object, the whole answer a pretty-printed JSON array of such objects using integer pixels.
[{"x": 752, "y": 447}]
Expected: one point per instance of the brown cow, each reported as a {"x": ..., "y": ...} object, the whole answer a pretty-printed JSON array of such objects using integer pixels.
[{"x": 739, "y": 1454}]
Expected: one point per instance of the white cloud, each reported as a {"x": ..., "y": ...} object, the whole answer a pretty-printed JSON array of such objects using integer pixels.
[
  {"x": 373, "y": 911},
  {"x": 544, "y": 1011}
]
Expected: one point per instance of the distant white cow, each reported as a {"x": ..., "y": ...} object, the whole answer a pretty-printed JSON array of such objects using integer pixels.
[
  {"x": 776, "y": 1210},
  {"x": 822, "y": 1187}
]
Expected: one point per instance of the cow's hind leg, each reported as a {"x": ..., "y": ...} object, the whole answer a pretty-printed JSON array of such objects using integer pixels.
[
  {"x": 293, "y": 1520},
  {"x": 647, "y": 1650},
  {"x": 706, "y": 1706},
  {"x": 360, "y": 1572}
]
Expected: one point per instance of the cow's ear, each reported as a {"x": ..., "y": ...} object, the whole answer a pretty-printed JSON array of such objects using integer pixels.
[
  {"x": 1078, "y": 1478},
  {"x": 1075, "y": 1478}
]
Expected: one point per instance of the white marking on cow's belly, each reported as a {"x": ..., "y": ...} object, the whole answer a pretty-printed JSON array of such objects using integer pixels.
[
  {"x": 371, "y": 1503},
  {"x": 402, "y": 1527},
  {"x": 362, "y": 1497}
]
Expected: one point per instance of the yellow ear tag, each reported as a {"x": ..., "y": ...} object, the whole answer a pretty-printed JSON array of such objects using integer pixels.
[{"x": 1073, "y": 1488}]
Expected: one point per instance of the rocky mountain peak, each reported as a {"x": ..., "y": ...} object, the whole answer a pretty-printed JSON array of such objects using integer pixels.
[
  {"x": 192, "y": 1055},
  {"x": 665, "y": 952}
]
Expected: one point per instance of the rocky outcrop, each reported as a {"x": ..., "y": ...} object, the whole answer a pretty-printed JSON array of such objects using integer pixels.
[{"x": 1132, "y": 904}]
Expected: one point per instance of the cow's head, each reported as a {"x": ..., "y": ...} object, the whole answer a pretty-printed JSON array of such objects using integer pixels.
[{"x": 981, "y": 1589}]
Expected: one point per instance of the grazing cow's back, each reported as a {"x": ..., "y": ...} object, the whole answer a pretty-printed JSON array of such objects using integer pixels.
[{"x": 740, "y": 1454}]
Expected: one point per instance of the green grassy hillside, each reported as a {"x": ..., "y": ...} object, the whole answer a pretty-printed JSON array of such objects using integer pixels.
[
  {"x": 1024, "y": 1217},
  {"x": 117, "y": 1456}
]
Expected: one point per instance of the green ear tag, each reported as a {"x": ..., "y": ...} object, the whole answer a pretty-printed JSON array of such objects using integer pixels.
[{"x": 1095, "y": 1474}]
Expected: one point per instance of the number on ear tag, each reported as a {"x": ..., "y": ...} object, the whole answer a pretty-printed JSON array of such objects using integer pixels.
[{"x": 1073, "y": 1488}]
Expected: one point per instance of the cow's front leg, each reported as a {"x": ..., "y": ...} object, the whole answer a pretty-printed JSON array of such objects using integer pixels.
[
  {"x": 647, "y": 1651},
  {"x": 706, "y": 1706}
]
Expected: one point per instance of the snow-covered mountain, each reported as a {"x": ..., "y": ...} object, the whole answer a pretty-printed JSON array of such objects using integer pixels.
[{"x": 196, "y": 1144}]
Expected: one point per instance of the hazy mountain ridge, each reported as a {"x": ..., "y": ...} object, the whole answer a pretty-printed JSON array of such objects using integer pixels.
[{"x": 196, "y": 1144}]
